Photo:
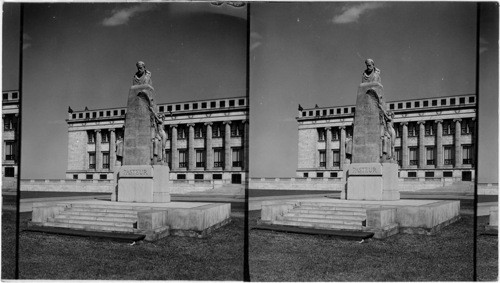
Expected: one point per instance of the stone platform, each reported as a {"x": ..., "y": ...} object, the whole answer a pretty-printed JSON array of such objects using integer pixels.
[
  {"x": 154, "y": 220},
  {"x": 384, "y": 218}
]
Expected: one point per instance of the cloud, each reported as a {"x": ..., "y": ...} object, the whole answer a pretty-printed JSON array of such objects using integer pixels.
[
  {"x": 353, "y": 12},
  {"x": 122, "y": 16}
]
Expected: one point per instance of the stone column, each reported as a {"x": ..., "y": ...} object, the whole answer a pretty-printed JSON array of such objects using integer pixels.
[
  {"x": 209, "y": 162},
  {"x": 328, "y": 149},
  {"x": 191, "y": 153},
  {"x": 342, "y": 147},
  {"x": 421, "y": 144},
  {"x": 174, "y": 154},
  {"x": 404, "y": 146},
  {"x": 112, "y": 147},
  {"x": 439, "y": 143},
  {"x": 458, "y": 144},
  {"x": 98, "y": 157},
  {"x": 246, "y": 144},
  {"x": 227, "y": 146}
]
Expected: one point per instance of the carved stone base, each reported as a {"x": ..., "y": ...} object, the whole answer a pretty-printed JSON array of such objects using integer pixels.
[
  {"x": 143, "y": 183},
  {"x": 371, "y": 181}
]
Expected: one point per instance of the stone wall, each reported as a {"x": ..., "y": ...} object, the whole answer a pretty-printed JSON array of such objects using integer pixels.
[
  {"x": 324, "y": 184},
  {"x": 308, "y": 142},
  {"x": 487, "y": 189},
  {"x": 77, "y": 150}
]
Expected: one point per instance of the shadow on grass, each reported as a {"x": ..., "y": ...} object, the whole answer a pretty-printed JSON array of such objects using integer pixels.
[
  {"x": 49, "y": 256},
  {"x": 447, "y": 256}
]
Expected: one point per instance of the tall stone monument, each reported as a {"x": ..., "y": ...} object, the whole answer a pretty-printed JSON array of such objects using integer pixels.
[
  {"x": 144, "y": 174},
  {"x": 373, "y": 173}
]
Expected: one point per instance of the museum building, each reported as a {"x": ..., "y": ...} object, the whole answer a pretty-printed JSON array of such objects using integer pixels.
[
  {"x": 206, "y": 140},
  {"x": 10, "y": 139},
  {"x": 435, "y": 138}
]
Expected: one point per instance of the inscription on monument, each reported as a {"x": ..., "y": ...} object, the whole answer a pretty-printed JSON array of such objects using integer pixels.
[
  {"x": 365, "y": 169},
  {"x": 136, "y": 172}
]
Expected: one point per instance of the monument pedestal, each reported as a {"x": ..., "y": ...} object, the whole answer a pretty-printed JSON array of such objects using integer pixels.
[
  {"x": 371, "y": 181},
  {"x": 143, "y": 183}
]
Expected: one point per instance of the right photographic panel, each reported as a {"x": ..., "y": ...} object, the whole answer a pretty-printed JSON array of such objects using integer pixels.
[{"x": 374, "y": 141}]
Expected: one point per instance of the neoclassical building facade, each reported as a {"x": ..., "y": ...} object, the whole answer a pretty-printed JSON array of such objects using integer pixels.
[
  {"x": 206, "y": 140},
  {"x": 435, "y": 138},
  {"x": 10, "y": 139}
]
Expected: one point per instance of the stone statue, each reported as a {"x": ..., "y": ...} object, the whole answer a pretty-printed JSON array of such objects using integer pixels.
[
  {"x": 371, "y": 74},
  {"x": 348, "y": 148},
  {"x": 390, "y": 133},
  {"x": 119, "y": 150},
  {"x": 143, "y": 86}
]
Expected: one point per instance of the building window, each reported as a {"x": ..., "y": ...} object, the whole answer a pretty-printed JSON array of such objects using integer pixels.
[
  {"x": 448, "y": 128},
  {"x": 426, "y": 103},
  {"x": 471, "y": 99},
  {"x": 322, "y": 158},
  {"x": 91, "y": 160},
  {"x": 75, "y": 176},
  {"x": 333, "y": 175},
  {"x": 90, "y": 137},
  {"x": 9, "y": 172},
  {"x": 413, "y": 156},
  {"x": 467, "y": 154},
  {"x": 10, "y": 147},
  {"x": 443, "y": 101},
  {"x": 195, "y": 106},
  {"x": 319, "y": 174},
  {"x": 447, "y": 174},
  {"x": 105, "y": 136},
  {"x": 217, "y": 130},
  {"x": 408, "y": 104},
  {"x": 105, "y": 160},
  {"x": 241, "y": 102},
  {"x": 218, "y": 157},
  {"x": 217, "y": 176},
  {"x": 429, "y": 128},
  {"x": 9, "y": 122},
  {"x": 400, "y": 105},
  {"x": 412, "y": 174},
  {"x": 198, "y": 176},
  {"x": 222, "y": 103},
  {"x": 397, "y": 153},
  {"x": 237, "y": 157},
  {"x": 204, "y": 105},
  {"x": 306, "y": 175},
  {"x": 429, "y": 174},
  {"x": 448, "y": 155},
  {"x": 321, "y": 134},
  {"x": 199, "y": 132},
  {"x": 467, "y": 126},
  {"x": 89, "y": 177},
  {"x": 335, "y": 134},
  {"x": 181, "y": 176},
  {"x": 412, "y": 129},
  {"x": 182, "y": 132},
  {"x": 336, "y": 158},
  {"x": 213, "y": 104},
  {"x": 5, "y": 95},
  {"x": 429, "y": 154},
  {"x": 103, "y": 176},
  {"x": 452, "y": 101},
  {"x": 434, "y": 102},
  {"x": 236, "y": 129},
  {"x": 200, "y": 158},
  {"x": 182, "y": 158},
  {"x": 417, "y": 103}
]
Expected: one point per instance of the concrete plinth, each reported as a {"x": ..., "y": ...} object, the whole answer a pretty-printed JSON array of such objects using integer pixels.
[
  {"x": 155, "y": 220},
  {"x": 143, "y": 183},
  {"x": 372, "y": 181},
  {"x": 384, "y": 218}
]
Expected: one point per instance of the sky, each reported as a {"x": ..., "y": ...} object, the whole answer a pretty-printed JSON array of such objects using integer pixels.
[
  {"x": 84, "y": 55},
  {"x": 313, "y": 53}
]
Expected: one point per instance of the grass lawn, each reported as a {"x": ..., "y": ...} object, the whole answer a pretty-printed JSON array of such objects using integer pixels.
[
  {"x": 447, "y": 256},
  {"x": 486, "y": 253},
  {"x": 49, "y": 256}
]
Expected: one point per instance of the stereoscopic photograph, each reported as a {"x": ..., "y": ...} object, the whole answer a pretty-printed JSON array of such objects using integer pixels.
[{"x": 250, "y": 141}]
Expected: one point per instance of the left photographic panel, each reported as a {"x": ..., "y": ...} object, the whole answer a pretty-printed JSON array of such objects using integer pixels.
[{"x": 134, "y": 141}]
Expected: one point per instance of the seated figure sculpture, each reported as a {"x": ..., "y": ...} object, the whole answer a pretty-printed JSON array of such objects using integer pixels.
[{"x": 143, "y": 86}]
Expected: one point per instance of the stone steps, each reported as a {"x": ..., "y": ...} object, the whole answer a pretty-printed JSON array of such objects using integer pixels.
[
  {"x": 88, "y": 227},
  {"x": 92, "y": 222},
  {"x": 359, "y": 217},
  {"x": 330, "y": 212},
  {"x": 98, "y": 214},
  {"x": 103, "y": 210},
  {"x": 309, "y": 224},
  {"x": 117, "y": 218},
  {"x": 324, "y": 215}
]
